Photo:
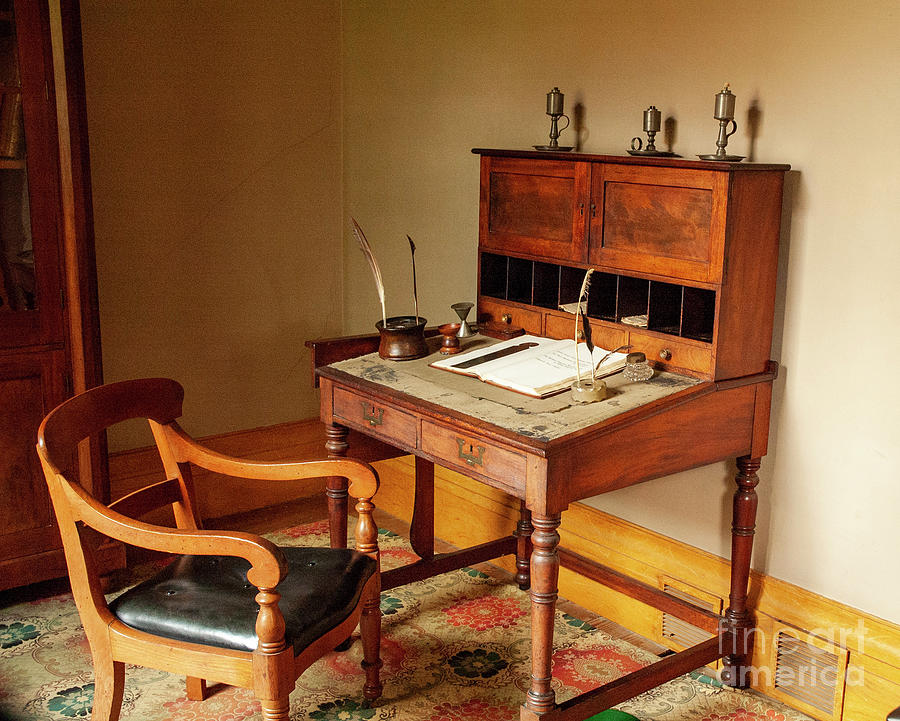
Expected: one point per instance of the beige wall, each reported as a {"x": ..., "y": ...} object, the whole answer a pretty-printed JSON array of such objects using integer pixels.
[
  {"x": 215, "y": 144},
  {"x": 426, "y": 81}
]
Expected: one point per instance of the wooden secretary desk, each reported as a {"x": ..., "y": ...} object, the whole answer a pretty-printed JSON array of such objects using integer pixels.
[{"x": 685, "y": 258}]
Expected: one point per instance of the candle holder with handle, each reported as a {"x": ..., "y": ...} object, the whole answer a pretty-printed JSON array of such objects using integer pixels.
[
  {"x": 724, "y": 113},
  {"x": 555, "y": 100}
]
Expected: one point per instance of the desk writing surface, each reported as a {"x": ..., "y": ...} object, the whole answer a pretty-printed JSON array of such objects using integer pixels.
[{"x": 543, "y": 419}]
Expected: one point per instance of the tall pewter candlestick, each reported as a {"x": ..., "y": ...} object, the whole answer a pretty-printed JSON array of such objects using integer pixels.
[
  {"x": 555, "y": 100},
  {"x": 724, "y": 113}
]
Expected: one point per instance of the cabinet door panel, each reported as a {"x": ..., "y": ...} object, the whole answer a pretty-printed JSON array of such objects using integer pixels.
[
  {"x": 534, "y": 207},
  {"x": 654, "y": 220},
  {"x": 30, "y": 385},
  {"x": 30, "y": 304}
]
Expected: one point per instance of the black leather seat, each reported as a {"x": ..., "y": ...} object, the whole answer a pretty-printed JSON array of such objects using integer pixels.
[{"x": 207, "y": 599}]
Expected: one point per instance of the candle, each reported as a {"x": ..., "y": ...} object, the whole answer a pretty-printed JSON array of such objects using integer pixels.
[
  {"x": 652, "y": 119},
  {"x": 555, "y": 102},
  {"x": 724, "y": 104}
]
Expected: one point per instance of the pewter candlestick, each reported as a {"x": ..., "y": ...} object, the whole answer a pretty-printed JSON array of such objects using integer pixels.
[
  {"x": 652, "y": 120},
  {"x": 555, "y": 100},
  {"x": 724, "y": 113},
  {"x": 652, "y": 124}
]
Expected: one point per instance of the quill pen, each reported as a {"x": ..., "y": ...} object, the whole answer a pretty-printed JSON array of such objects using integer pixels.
[
  {"x": 583, "y": 294},
  {"x": 412, "y": 250},
  {"x": 588, "y": 341},
  {"x": 373, "y": 264}
]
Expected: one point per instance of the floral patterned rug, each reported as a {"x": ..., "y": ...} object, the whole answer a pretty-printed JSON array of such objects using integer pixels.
[{"x": 455, "y": 647}]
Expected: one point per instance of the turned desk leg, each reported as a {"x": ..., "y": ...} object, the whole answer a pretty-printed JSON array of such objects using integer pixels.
[
  {"x": 544, "y": 592},
  {"x": 421, "y": 530},
  {"x": 738, "y": 618},
  {"x": 523, "y": 533},
  {"x": 336, "y": 487}
]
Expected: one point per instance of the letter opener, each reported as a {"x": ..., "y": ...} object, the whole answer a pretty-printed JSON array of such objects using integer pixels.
[{"x": 494, "y": 356}]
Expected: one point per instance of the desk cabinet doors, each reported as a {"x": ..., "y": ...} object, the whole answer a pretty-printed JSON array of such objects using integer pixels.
[
  {"x": 685, "y": 252},
  {"x": 536, "y": 207},
  {"x": 662, "y": 221}
]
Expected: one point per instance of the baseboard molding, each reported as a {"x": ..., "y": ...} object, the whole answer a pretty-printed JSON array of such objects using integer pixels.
[{"x": 471, "y": 513}]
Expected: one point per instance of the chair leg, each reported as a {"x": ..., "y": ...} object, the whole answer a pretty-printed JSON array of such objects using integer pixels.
[
  {"x": 370, "y": 630},
  {"x": 109, "y": 688},
  {"x": 275, "y": 709},
  {"x": 196, "y": 688}
]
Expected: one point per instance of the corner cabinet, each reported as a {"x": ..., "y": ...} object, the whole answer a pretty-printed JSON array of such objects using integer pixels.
[
  {"x": 685, "y": 253},
  {"x": 49, "y": 337}
]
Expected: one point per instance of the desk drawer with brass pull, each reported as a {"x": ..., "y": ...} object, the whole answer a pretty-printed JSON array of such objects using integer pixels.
[
  {"x": 359, "y": 411},
  {"x": 673, "y": 354},
  {"x": 490, "y": 311},
  {"x": 470, "y": 454}
]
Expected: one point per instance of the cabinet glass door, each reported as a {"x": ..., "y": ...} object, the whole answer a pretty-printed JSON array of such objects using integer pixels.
[{"x": 30, "y": 298}]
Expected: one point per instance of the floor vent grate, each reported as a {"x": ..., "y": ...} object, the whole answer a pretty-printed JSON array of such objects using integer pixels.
[
  {"x": 806, "y": 673},
  {"x": 682, "y": 633}
]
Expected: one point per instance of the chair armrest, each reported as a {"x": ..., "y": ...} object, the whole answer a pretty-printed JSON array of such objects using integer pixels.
[
  {"x": 267, "y": 563},
  {"x": 362, "y": 478}
]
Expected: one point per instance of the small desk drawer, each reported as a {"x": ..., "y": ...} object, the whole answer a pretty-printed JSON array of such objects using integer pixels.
[
  {"x": 673, "y": 353},
  {"x": 498, "y": 312},
  {"x": 471, "y": 454},
  {"x": 360, "y": 411}
]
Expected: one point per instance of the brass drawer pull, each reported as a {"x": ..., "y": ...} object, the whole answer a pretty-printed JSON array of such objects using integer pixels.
[
  {"x": 472, "y": 458},
  {"x": 375, "y": 418}
]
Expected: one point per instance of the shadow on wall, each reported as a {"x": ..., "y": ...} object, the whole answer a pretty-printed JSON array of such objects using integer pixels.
[{"x": 754, "y": 121}]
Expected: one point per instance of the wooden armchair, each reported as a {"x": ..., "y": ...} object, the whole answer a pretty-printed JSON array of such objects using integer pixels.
[{"x": 232, "y": 607}]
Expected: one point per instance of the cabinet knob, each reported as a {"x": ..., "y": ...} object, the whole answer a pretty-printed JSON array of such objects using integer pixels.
[
  {"x": 579, "y": 335},
  {"x": 665, "y": 354},
  {"x": 506, "y": 318}
]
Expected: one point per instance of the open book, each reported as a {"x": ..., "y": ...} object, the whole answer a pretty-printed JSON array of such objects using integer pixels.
[{"x": 537, "y": 367}]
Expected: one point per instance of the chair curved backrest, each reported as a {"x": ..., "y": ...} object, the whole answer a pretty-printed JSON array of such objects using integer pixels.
[
  {"x": 158, "y": 399},
  {"x": 272, "y": 667}
]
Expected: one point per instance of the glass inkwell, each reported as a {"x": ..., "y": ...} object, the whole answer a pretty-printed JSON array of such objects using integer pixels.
[{"x": 637, "y": 368}]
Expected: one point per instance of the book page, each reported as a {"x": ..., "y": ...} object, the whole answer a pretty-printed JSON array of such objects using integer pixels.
[{"x": 552, "y": 368}]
